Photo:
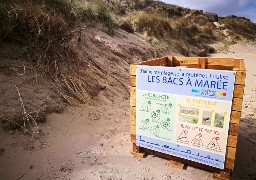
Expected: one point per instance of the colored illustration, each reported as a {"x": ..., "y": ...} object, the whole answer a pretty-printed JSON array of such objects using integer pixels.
[
  {"x": 155, "y": 130},
  {"x": 219, "y": 120},
  {"x": 188, "y": 119},
  {"x": 146, "y": 106},
  {"x": 207, "y": 118},
  {"x": 166, "y": 124},
  {"x": 154, "y": 112},
  {"x": 144, "y": 124},
  {"x": 155, "y": 115},
  {"x": 166, "y": 108},
  {"x": 189, "y": 111},
  {"x": 197, "y": 141},
  {"x": 214, "y": 145},
  {"x": 183, "y": 137}
]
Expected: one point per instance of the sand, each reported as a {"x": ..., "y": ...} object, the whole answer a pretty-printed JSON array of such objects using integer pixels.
[{"x": 93, "y": 142}]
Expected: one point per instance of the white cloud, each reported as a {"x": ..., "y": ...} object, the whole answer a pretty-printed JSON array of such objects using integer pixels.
[{"x": 245, "y": 8}]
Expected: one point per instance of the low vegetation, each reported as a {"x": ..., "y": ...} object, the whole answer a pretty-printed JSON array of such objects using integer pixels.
[
  {"x": 48, "y": 33},
  {"x": 239, "y": 27},
  {"x": 45, "y": 28}
]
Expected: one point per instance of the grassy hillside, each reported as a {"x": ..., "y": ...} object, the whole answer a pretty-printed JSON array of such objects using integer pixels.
[
  {"x": 46, "y": 27},
  {"x": 61, "y": 44}
]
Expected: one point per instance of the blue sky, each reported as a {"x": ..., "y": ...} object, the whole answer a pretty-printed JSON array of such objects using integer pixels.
[{"x": 245, "y": 8}]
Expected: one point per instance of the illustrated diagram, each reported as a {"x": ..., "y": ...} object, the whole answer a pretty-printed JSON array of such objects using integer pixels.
[
  {"x": 166, "y": 108},
  {"x": 188, "y": 114},
  {"x": 207, "y": 118},
  {"x": 189, "y": 110},
  {"x": 144, "y": 124},
  {"x": 219, "y": 120},
  {"x": 197, "y": 141},
  {"x": 155, "y": 131},
  {"x": 146, "y": 106},
  {"x": 155, "y": 115},
  {"x": 183, "y": 137},
  {"x": 188, "y": 119},
  {"x": 166, "y": 124},
  {"x": 214, "y": 145}
]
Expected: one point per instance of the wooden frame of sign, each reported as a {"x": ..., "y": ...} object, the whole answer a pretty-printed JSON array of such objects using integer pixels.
[{"x": 232, "y": 64}]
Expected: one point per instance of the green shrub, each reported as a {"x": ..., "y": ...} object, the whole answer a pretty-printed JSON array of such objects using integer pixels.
[
  {"x": 96, "y": 11},
  {"x": 153, "y": 24}
]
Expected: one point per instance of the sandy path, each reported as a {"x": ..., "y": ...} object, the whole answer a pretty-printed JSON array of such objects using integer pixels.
[
  {"x": 245, "y": 164},
  {"x": 93, "y": 142}
]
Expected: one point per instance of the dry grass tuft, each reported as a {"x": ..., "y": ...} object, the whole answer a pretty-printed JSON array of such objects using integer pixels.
[
  {"x": 45, "y": 29},
  {"x": 30, "y": 125},
  {"x": 241, "y": 28},
  {"x": 43, "y": 33},
  {"x": 152, "y": 24},
  {"x": 73, "y": 90}
]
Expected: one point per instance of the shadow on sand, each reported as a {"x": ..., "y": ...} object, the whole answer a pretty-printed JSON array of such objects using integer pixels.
[{"x": 245, "y": 163}]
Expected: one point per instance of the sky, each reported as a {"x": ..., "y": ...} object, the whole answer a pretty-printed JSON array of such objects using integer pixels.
[{"x": 245, "y": 8}]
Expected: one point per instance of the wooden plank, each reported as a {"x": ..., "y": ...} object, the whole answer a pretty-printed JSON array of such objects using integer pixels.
[
  {"x": 181, "y": 66},
  {"x": 240, "y": 77},
  {"x": 221, "y": 61},
  {"x": 137, "y": 151},
  {"x": 229, "y": 163},
  {"x": 242, "y": 66},
  {"x": 233, "y": 129},
  {"x": 202, "y": 62},
  {"x": 133, "y": 111},
  {"x": 180, "y": 61},
  {"x": 136, "y": 148},
  {"x": 237, "y": 104},
  {"x": 226, "y": 174},
  {"x": 238, "y": 91},
  {"x": 235, "y": 117},
  {"x": 133, "y": 101},
  {"x": 170, "y": 61},
  {"x": 132, "y": 129},
  {"x": 133, "y": 69},
  {"x": 133, "y": 138},
  {"x": 133, "y": 116},
  {"x": 133, "y": 91},
  {"x": 232, "y": 141},
  {"x": 176, "y": 164},
  {"x": 132, "y": 81},
  {"x": 238, "y": 63},
  {"x": 140, "y": 155},
  {"x": 154, "y": 62},
  {"x": 219, "y": 67},
  {"x": 133, "y": 121},
  {"x": 231, "y": 153},
  {"x": 187, "y": 65}
]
